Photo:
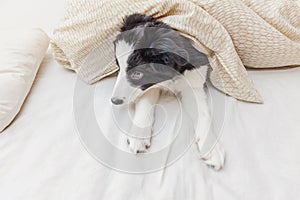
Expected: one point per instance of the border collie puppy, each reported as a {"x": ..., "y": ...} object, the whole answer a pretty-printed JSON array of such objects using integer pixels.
[{"x": 152, "y": 55}]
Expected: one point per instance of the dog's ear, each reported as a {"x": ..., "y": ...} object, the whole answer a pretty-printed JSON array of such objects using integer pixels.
[
  {"x": 202, "y": 58},
  {"x": 195, "y": 57},
  {"x": 174, "y": 47},
  {"x": 184, "y": 58}
]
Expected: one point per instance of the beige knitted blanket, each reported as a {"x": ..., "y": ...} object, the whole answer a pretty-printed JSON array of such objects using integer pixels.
[{"x": 234, "y": 33}]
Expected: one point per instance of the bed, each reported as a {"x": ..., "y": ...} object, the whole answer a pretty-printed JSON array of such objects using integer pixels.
[{"x": 42, "y": 156}]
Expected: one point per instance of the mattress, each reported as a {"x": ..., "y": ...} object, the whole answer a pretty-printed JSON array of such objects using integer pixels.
[{"x": 44, "y": 155}]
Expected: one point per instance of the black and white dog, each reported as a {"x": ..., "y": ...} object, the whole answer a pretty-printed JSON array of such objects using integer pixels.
[{"x": 151, "y": 55}]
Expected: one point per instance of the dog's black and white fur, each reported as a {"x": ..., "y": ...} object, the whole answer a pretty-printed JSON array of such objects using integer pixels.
[{"x": 152, "y": 55}]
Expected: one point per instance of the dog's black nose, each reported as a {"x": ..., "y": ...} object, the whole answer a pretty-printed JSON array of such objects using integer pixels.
[{"x": 117, "y": 101}]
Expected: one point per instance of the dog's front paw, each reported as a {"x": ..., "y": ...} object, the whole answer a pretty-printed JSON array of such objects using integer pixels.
[
  {"x": 215, "y": 159},
  {"x": 138, "y": 145},
  {"x": 139, "y": 139}
]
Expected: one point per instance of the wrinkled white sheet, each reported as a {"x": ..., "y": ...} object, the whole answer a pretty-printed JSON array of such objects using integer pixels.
[{"x": 42, "y": 157}]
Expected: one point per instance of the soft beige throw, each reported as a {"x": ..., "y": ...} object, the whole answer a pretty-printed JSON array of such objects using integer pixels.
[{"x": 234, "y": 33}]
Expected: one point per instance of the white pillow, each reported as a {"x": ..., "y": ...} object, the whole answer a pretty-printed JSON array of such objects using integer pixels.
[{"x": 21, "y": 53}]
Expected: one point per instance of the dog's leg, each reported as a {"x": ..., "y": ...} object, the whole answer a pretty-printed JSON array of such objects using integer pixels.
[
  {"x": 202, "y": 118},
  {"x": 141, "y": 131},
  {"x": 215, "y": 157}
]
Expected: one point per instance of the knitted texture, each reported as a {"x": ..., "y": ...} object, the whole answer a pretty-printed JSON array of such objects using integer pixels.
[{"x": 234, "y": 33}]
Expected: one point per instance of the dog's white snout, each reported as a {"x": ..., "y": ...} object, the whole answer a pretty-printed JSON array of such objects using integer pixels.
[{"x": 117, "y": 100}]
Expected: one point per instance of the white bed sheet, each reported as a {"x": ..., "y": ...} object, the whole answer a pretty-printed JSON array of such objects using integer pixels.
[{"x": 42, "y": 157}]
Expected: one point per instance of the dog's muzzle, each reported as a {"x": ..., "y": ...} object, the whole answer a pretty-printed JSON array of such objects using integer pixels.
[{"x": 117, "y": 101}]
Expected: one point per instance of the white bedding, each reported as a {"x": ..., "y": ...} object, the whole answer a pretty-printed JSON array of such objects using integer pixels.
[{"x": 42, "y": 157}]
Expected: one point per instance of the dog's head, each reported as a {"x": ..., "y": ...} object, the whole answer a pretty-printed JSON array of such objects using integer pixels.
[{"x": 148, "y": 53}]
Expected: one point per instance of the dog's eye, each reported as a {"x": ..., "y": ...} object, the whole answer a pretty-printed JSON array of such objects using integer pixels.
[
  {"x": 166, "y": 60},
  {"x": 136, "y": 75}
]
